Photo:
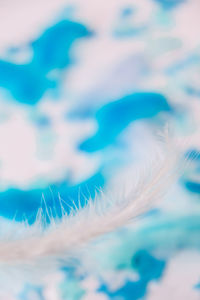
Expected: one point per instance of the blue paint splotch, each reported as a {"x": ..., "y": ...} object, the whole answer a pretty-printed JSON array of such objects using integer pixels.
[
  {"x": 52, "y": 49},
  {"x": 27, "y": 83},
  {"x": 192, "y": 186},
  {"x": 114, "y": 117},
  {"x": 168, "y": 4},
  {"x": 148, "y": 267},
  {"x": 23, "y": 205}
]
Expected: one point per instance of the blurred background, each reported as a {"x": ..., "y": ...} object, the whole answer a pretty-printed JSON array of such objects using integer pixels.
[{"x": 84, "y": 87}]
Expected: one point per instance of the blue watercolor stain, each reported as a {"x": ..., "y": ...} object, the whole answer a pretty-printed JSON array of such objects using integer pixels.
[
  {"x": 114, "y": 117},
  {"x": 23, "y": 205},
  {"x": 148, "y": 267},
  {"x": 52, "y": 49},
  {"x": 27, "y": 83},
  {"x": 168, "y": 4},
  {"x": 192, "y": 186}
]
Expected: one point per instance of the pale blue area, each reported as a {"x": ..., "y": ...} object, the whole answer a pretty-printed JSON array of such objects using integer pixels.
[
  {"x": 125, "y": 27},
  {"x": 39, "y": 119},
  {"x": 127, "y": 12},
  {"x": 183, "y": 64},
  {"x": 71, "y": 289},
  {"x": 42, "y": 121},
  {"x": 29, "y": 291},
  {"x": 171, "y": 235},
  {"x": 115, "y": 116},
  {"x": 148, "y": 268},
  {"x": 128, "y": 31},
  {"x": 24, "y": 205},
  {"x": 27, "y": 83},
  {"x": 193, "y": 91}
]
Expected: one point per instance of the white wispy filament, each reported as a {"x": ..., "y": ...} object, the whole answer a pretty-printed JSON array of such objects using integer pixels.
[{"x": 100, "y": 216}]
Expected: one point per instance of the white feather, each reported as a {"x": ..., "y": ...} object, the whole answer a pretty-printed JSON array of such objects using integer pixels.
[{"x": 100, "y": 216}]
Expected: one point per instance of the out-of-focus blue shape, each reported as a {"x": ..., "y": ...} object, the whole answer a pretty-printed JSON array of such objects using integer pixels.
[
  {"x": 22, "y": 205},
  {"x": 26, "y": 84},
  {"x": 52, "y": 51},
  {"x": 197, "y": 286},
  {"x": 42, "y": 121},
  {"x": 114, "y": 117},
  {"x": 148, "y": 268},
  {"x": 193, "y": 91},
  {"x": 167, "y": 4},
  {"x": 192, "y": 186},
  {"x": 130, "y": 291},
  {"x": 127, "y": 11}
]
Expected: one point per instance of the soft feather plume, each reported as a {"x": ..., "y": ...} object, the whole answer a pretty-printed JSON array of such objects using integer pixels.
[{"x": 100, "y": 216}]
